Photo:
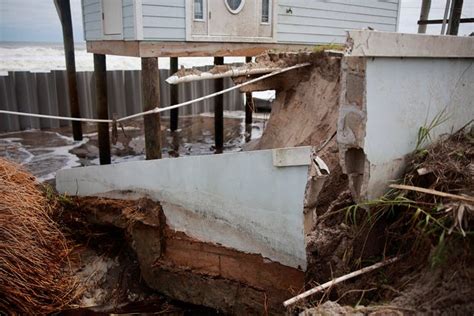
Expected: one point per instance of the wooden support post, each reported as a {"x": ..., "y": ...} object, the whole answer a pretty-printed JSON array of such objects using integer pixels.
[
  {"x": 100, "y": 73},
  {"x": 151, "y": 99},
  {"x": 424, "y": 15},
  {"x": 64, "y": 11},
  {"x": 219, "y": 111},
  {"x": 174, "y": 113},
  {"x": 249, "y": 106},
  {"x": 455, "y": 18}
]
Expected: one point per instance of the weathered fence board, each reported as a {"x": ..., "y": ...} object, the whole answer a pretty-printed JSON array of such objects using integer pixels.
[{"x": 47, "y": 93}]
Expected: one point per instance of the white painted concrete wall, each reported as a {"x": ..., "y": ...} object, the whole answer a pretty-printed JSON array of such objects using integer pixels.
[
  {"x": 403, "y": 95},
  {"x": 240, "y": 200}
]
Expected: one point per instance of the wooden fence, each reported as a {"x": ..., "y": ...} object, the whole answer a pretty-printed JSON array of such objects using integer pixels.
[{"x": 47, "y": 93}]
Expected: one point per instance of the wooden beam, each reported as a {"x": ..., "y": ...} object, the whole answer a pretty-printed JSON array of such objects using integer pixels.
[
  {"x": 186, "y": 49},
  {"x": 219, "y": 110},
  {"x": 100, "y": 73},
  {"x": 425, "y": 12},
  {"x": 455, "y": 17},
  {"x": 440, "y": 21},
  {"x": 174, "y": 113},
  {"x": 64, "y": 11},
  {"x": 150, "y": 100}
]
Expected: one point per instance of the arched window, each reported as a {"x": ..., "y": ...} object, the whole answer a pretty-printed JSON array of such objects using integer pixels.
[{"x": 234, "y": 6}]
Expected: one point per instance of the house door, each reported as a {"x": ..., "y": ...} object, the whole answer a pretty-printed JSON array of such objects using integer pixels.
[
  {"x": 233, "y": 18},
  {"x": 112, "y": 16}
]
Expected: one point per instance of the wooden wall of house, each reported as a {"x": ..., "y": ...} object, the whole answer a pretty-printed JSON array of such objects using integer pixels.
[
  {"x": 128, "y": 15},
  {"x": 323, "y": 21},
  {"x": 164, "y": 20},
  {"x": 298, "y": 21},
  {"x": 92, "y": 19}
]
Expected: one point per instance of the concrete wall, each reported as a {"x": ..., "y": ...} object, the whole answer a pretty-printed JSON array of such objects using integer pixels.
[
  {"x": 323, "y": 21},
  {"x": 249, "y": 201},
  {"x": 405, "y": 94},
  {"x": 388, "y": 94},
  {"x": 47, "y": 93}
]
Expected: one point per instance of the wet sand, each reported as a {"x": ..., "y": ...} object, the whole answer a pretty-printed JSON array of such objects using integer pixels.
[{"x": 43, "y": 153}]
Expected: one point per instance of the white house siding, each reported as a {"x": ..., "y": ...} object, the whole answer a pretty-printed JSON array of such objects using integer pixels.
[
  {"x": 128, "y": 13},
  {"x": 164, "y": 20},
  {"x": 92, "y": 17},
  {"x": 325, "y": 21}
]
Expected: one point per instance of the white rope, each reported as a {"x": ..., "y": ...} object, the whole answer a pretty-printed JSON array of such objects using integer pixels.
[{"x": 157, "y": 109}]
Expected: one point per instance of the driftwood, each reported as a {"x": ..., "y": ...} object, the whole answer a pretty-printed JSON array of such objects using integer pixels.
[
  {"x": 464, "y": 198},
  {"x": 233, "y": 72},
  {"x": 335, "y": 281}
]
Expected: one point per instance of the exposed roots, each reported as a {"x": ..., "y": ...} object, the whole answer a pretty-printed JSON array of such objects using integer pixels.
[{"x": 35, "y": 278}]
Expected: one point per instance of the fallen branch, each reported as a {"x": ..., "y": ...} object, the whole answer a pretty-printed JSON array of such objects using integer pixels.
[
  {"x": 233, "y": 72},
  {"x": 432, "y": 192},
  {"x": 335, "y": 281}
]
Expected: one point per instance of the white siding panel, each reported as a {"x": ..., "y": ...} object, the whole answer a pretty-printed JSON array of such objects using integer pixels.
[
  {"x": 92, "y": 15},
  {"x": 164, "y": 20},
  {"x": 163, "y": 34},
  {"x": 128, "y": 13},
  {"x": 325, "y": 21}
]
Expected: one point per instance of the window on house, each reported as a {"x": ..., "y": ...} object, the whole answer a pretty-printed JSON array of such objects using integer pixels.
[
  {"x": 234, "y": 6},
  {"x": 265, "y": 11},
  {"x": 198, "y": 10}
]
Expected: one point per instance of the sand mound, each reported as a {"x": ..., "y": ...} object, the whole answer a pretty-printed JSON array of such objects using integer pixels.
[{"x": 33, "y": 251}]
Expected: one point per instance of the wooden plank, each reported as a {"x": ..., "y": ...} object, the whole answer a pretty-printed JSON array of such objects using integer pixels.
[
  {"x": 151, "y": 99},
  {"x": 186, "y": 49},
  {"x": 120, "y": 48}
]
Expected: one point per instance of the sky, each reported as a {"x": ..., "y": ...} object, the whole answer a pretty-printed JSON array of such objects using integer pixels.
[{"x": 37, "y": 20}]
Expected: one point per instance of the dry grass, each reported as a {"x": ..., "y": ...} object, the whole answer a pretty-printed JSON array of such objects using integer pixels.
[{"x": 35, "y": 276}]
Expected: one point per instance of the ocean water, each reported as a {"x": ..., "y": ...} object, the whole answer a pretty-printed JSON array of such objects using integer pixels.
[{"x": 44, "y": 57}]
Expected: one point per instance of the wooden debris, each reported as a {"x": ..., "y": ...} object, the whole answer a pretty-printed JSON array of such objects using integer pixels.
[
  {"x": 335, "y": 281},
  {"x": 469, "y": 199}
]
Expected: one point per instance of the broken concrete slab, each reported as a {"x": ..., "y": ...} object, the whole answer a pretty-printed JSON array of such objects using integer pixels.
[
  {"x": 364, "y": 43},
  {"x": 385, "y": 100},
  {"x": 244, "y": 201}
]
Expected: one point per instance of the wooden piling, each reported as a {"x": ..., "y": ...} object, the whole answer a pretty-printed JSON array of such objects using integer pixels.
[
  {"x": 64, "y": 10},
  {"x": 219, "y": 111},
  {"x": 249, "y": 106},
  {"x": 100, "y": 73},
  {"x": 455, "y": 18},
  {"x": 424, "y": 15},
  {"x": 150, "y": 100},
  {"x": 174, "y": 113}
]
